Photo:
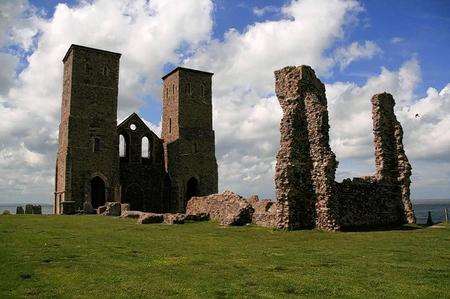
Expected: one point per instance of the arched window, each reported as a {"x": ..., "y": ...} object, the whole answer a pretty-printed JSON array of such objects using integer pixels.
[
  {"x": 173, "y": 88},
  {"x": 145, "y": 148},
  {"x": 122, "y": 146}
]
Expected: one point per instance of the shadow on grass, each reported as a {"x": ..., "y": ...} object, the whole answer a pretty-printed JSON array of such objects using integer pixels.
[{"x": 385, "y": 228}]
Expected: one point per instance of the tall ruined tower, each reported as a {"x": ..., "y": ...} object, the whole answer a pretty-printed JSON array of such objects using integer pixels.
[
  {"x": 188, "y": 135},
  {"x": 87, "y": 165}
]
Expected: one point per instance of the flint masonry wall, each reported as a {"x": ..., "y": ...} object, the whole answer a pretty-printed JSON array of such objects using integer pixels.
[
  {"x": 307, "y": 193},
  {"x": 305, "y": 169},
  {"x": 188, "y": 136},
  {"x": 87, "y": 132},
  {"x": 141, "y": 168},
  {"x": 392, "y": 165}
]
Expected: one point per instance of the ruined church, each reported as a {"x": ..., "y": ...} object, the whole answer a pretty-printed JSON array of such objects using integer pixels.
[
  {"x": 175, "y": 177},
  {"x": 147, "y": 172}
]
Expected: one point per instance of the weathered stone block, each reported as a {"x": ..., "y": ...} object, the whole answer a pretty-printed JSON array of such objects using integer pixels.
[
  {"x": 176, "y": 218},
  {"x": 197, "y": 217},
  {"x": 228, "y": 208},
  {"x": 112, "y": 209},
  {"x": 6, "y": 212},
  {"x": 101, "y": 210},
  {"x": 147, "y": 218},
  {"x": 265, "y": 213},
  {"x": 124, "y": 207},
  {"x": 131, "y": 214}
]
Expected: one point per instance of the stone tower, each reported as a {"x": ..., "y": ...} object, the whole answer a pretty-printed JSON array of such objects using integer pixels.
[
  {"x": 87, "y": 165},
  {"x": 188, "y": 135}
]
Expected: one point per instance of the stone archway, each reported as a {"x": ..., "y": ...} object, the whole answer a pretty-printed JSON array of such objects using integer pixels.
[{"x": 98, "y": 192}]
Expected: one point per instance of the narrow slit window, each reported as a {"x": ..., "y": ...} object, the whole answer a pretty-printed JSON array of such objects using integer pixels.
[
  {"x": 145, "y": 149},
  {"x": 96, "y": 144},
  {"x": 122, "y": 146}
]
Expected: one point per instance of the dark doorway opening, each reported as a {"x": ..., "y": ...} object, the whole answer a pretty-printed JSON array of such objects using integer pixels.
[
  {"x": 135, "y": 197},
  {"x": 191, "y": 189},
  {"x": 98, "y": 191}
]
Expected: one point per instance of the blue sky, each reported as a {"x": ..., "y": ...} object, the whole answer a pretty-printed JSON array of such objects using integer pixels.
[{"x": 358, "y": 48}]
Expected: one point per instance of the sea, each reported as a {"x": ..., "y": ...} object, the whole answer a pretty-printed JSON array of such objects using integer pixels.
[{"x": 421, "y": 209}]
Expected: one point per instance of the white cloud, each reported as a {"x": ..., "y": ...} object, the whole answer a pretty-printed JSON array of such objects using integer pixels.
[
  {"x": 246, "y": 114},
  {"x": 355, "y": 51},
  {"x": 261, "y": 11},
  {"x": 17, "y": 23},
  {"x": 397, "y": 40},
  {"x": 247, "y": 60},
  {"x": 8, "y": 64}
]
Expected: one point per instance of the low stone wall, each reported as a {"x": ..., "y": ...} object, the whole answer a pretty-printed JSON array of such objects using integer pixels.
[
  {"x": 228, "y": 208},
  {"x": 365, "y": 202},
  {"x": 265, "y": 213}
]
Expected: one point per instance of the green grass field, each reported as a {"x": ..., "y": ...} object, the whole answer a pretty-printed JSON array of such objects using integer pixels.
[{"x": 95, "y": 256}]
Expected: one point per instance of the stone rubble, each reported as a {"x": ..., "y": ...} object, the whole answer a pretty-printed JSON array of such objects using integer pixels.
[
  {"x": 131, "y": 214},
  {"x": 227, "y": 208},
  {"x": 176, "y": 218},
  {"x": 112, "y": 209},
  {"x": 147, "y": 218}
]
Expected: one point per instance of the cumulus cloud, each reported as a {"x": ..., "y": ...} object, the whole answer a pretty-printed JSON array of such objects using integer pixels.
[
  {"x": 356, "y": 51},
  {"x": 18, "y": 22},
  {"x": 246, "y": 113},
  {"x": 261, "y": 11},
  {"x": 397, "y": 40},
  {"x": 246, "y": 60}
]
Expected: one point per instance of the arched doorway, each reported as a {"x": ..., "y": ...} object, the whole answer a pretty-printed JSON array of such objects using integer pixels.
[
  {"x": 98, "y": 192},
  {"x": 135, "y": 197},
  {"x": 191, "y": 189}
]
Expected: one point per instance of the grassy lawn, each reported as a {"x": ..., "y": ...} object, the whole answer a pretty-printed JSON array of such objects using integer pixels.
[{"x": 95, "y": 256}]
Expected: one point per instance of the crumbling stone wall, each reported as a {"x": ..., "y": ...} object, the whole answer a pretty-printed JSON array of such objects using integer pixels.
[
  {"x": 227, "y": 208},
  {"x": 365, "y": 202},
  {"x": 305, "y": 169},
  {"x": 391, "y": 162},
  {"x": 307, "y": 193}
]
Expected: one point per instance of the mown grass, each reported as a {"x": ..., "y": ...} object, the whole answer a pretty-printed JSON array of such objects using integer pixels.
[{"x": 94, "y": 256}]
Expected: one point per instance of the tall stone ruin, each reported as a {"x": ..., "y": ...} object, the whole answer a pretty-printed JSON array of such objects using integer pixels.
[
  {"x": 307, "y": 194},
  {"x": 305, "y": 169},
  {"x": 392, "y": 165}
]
